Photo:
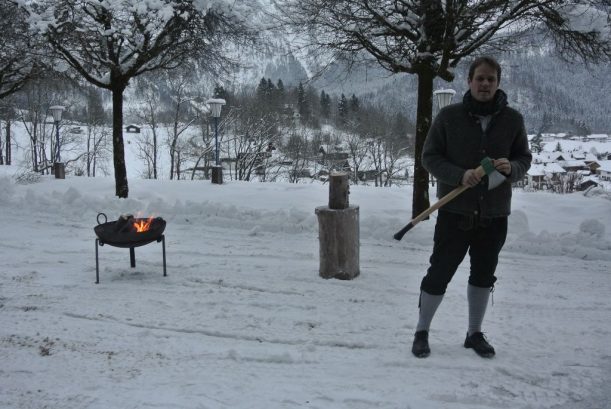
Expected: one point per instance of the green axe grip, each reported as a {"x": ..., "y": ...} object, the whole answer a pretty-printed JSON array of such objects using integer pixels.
[{"x": 487, "y": 165}]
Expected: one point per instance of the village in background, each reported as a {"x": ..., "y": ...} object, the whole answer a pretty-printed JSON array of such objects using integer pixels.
[
  {"x": 283, "y": 126},
  {"x": 274, "y": 133}
]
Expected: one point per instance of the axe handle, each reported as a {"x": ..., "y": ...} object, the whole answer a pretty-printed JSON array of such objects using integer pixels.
[{"x": 399, "y": 235}]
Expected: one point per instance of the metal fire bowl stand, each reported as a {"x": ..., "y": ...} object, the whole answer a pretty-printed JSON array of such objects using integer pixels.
[
  {"x": 104, "y": 232},
  {"x": 132, "y": 255}
]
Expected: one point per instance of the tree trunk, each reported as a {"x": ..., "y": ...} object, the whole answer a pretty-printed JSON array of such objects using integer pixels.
[
  {"x": 1, "y": 152},
  {"x": 420, "y": 199},
  {"x": 154, "y": 152},
  {"x": 9, "y": 149},
  {"x": 89, "y": 154},
  {"x": 121, "y": 188}
]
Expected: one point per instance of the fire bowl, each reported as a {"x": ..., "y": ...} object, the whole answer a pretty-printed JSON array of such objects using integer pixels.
[{"x": 123, "y": 232}]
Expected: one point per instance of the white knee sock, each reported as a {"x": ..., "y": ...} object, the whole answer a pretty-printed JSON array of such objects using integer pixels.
[
  {"x": 428, "y": 306},
  {"x": 478, "y": 301}
]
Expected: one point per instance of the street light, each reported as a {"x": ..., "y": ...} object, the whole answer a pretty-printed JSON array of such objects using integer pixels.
[
  {"x": 58, "y": 167},
  {"x": 215, "y": 105},
  {"x": 444, "y": 97}
]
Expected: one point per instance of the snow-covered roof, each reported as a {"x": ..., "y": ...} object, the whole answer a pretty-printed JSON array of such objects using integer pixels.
[
  {"x": 590, "y": 157},
  {"x": 556, "y": 155},
  {"x": 572, "y": 163},
  {"x": 539, "y": 169},
  {"x": 603, "y": 136},
  {"x": 605, "y": 165}
]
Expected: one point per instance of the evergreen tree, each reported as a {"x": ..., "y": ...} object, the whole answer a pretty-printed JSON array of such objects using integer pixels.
[
  {"x": 582, "y": 128},
  {"x": 536, "y": 143},
  {"x": 303, "y": 103},
  {"x": 270, "y": 96},
  {"x": 354, "y": 104},
  {"x": 342, "y": 109},
  {"x": 280, "y": 94},
  {"x": 325, "y": 104},
  {"x": 262, "y": 90}
]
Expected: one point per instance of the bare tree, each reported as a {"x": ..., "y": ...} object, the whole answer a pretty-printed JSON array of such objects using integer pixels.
[
  {"x": 252, "y": 145},
  {"x": 110, "y": 42},
  {"x": 96, "y": 134},
  {"x": 7, "y": 113},
  {"x": 97, "y": 149},
  {"x": 357, "y": 149},
  {"x": 38, "y": 96},
  {"x": 376, "y": 153},
  {"x": 428, "y": 38},
  {"x": 148, "y": 113},
  {"x": 297, "y": 150},
  {"x": 180, "y": 118}
]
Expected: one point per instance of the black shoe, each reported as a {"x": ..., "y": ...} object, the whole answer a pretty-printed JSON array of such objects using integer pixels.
[
  {"x": 420, "y": 347},
  {"x": 478, "y": 342}
]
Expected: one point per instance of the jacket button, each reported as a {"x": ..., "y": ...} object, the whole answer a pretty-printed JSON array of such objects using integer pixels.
[
  {"x": 475, "y": 212},
  {"x": 481, "y": 198}
]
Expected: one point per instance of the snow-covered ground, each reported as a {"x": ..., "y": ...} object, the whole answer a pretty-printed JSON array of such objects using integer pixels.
[{"x": 244, "y": 321}]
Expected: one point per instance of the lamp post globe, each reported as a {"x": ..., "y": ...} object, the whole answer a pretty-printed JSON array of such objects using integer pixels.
[
  {"x": 58, "y": 167},
  {"x": 444, "y": 97},
  {"x": 215, "y": 105}
]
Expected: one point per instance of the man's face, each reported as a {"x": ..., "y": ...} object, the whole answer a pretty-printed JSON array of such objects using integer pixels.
[{"x": 484, "y": 83}]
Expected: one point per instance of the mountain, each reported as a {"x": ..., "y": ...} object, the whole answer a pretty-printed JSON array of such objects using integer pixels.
[{"x": 553, "y": 95}]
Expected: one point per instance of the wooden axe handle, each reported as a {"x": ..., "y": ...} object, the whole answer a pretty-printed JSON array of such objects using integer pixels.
[{"x": 399, "y": 235}]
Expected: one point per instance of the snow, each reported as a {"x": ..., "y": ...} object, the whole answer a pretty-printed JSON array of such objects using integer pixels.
[
  {"x": 605, "y": 165},
  {"x": 244, "y": 321},
  {"x": 586, "y": 19}
]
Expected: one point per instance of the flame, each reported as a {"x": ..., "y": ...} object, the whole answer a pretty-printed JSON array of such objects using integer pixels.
[{"x": 142, "y": 226}]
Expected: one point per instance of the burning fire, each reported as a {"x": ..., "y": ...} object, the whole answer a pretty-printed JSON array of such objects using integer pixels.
[{"x": 143, "y": 225}]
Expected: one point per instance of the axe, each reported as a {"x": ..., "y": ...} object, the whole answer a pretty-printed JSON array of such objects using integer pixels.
[{"x": 495, "y": 178}]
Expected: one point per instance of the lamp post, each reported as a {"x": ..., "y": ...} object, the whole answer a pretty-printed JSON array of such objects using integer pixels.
[
  {"x": 59, "y": 168},
  {"x": 216, "y": 105},
  {"x": 444, "y": 98}
]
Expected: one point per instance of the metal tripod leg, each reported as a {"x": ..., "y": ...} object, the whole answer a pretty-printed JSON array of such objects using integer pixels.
[
  {"x": 97, "y": 264},
  {"x": 163, "y": 248},
  {"x": 132, "y": 257}
]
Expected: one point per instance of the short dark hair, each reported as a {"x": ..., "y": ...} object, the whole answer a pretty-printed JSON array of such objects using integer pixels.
[{"x": 488, "y": 61}]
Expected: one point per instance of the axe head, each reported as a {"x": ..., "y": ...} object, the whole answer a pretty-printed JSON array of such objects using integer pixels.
[{"x": 495, "y": 178}]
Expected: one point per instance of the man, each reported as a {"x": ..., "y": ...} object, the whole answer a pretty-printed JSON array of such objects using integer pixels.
[{"x": 482, "y": 125}]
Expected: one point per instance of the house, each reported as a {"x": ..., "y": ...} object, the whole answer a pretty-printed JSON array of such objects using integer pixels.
[
  {"x": 587, "y": 157},
  {"x": 604, "y": 170},
  {"x": 132, "y": 128},
  {"x": 573, "y": 165},
  {"x": 586, "y": 183},
  {"x": 597, "y": 137},
  {"x": 540, "y": 157},
  {"x": 542, "y": 175},
  {"x": 557, "y": 156}
]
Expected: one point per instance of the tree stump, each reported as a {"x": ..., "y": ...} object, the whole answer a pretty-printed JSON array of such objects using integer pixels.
[{"x": 338, "y": 232}]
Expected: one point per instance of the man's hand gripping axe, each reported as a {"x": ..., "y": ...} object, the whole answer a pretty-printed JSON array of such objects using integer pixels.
[{"x": 495, "y": 178}]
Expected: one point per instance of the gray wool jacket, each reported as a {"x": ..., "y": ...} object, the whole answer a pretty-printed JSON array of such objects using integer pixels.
[{"x": 456, "y": 142}]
